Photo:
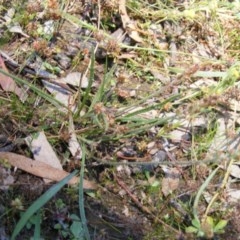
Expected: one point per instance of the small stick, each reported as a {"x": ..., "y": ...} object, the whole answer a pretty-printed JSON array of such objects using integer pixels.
[
  {"x": 132, "y": 196},
  {"x": 143, "y": 208}
]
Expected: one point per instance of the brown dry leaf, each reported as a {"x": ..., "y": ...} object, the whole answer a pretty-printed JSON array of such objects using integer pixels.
[
  {"x": 59, "y": 88},
  {"x": 61, "y": 94},
  {"x": 41, "y": 169},
  {"x": 171, "y": 181},
  {"x": 8, "y": 84},
  {"x": 128, "y": 24},
  {"x": 75, "y": 78},
  {"x": 42, "y": 151}
]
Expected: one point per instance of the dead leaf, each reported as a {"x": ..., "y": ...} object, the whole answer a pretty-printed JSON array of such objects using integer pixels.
[
  {"x": 128, "y": 24},
  {"x": 119, "y": 35},
  {"x": 9, "y": 15},
  {"x": 42, "y": 151},
  {"x": 41, "y": 169},
  {"x": 8, "y": 84},
  {"x": 74, "y": 79},
  {"x": 171, "y": 181},
  {"x": 61, "y": 94},
  {"x": 60, "y": 89},
  {"x": 18, "y": 29}
]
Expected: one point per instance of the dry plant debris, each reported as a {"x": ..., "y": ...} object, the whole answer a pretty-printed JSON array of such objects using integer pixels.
[{"x": 142, "y": 96}]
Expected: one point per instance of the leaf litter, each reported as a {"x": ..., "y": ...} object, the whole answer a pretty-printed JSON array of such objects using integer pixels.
[{"x": 157, "y": 107}]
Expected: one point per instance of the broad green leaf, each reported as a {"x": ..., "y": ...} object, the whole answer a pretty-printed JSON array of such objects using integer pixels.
[
  {"x": 220, "y": 225},
  {"x": 196, "y": 223},
  {"x": 209, "y": 220},
  {"x": 191, "y": 229},
  {"x": 200, "y": 234},
  {"x": 77, "y": 230},
  {"x": 155, "y": 184}
]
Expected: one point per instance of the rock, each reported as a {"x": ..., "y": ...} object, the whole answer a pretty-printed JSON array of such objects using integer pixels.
[
  {"x": 159, "y": 157},
  {"x": 63, "y": 60},
  {"x": 72, "y": 51}
]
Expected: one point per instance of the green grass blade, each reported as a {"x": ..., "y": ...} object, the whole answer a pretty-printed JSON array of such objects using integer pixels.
[
  {"x": 37, "y": 229},
  {"x": 81, "y": 196},
  {"x": 88, "y": 89},
  {"x": 77, "y": 21},
  {"x": 35, "y": 89},
  {"x": 100, "y": 94},
  {"x": 200, "y": 191},
  {"x": 39, "y": 203},
  {"x": 149, "y": 108}
]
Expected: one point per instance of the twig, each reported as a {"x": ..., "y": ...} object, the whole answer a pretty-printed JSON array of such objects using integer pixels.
[
  {"x": 139, "y": 162},
  {"x": 143, "y": 208},
  {"x": 132, "y": 196}
]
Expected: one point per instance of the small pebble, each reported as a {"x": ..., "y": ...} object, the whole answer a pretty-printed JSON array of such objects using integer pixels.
[
  {"x": 63, "y": 60},
  {"x": 159, "y": 157}
]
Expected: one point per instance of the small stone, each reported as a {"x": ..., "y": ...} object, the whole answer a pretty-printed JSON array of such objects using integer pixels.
[
  {"x": 159, "y": 157},
  {"x": 151, "y": 144},
  {"x": 177, "y": 135},
  {"x": 153, "y": 151},
  {"x": 63, "y": 60},
  {"x": 72, "y": 51}
]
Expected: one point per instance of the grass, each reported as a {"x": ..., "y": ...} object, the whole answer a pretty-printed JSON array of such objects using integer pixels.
[
  {"x": 38, "y": 204},
  {"x": 108, "y": 119}
]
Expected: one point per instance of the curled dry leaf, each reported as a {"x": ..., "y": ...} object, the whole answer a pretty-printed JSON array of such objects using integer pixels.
[
  {"x": 41, "y": 169},
  {"x": 128, "y": 24},
  {"x": 8, "y": 84}
]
